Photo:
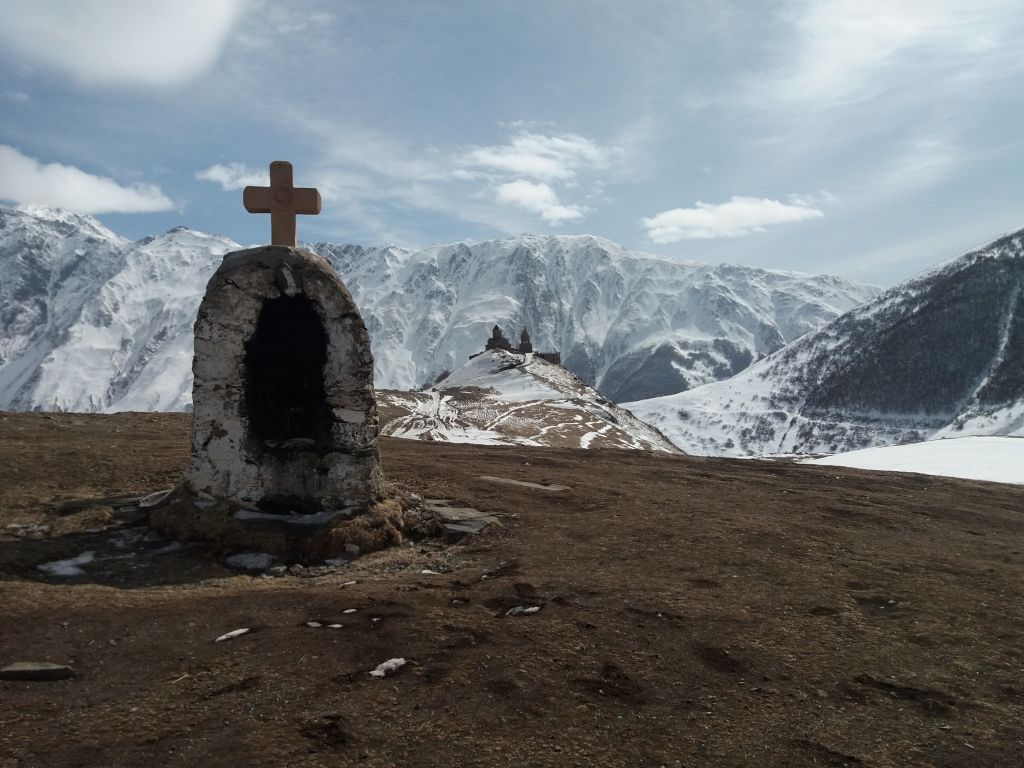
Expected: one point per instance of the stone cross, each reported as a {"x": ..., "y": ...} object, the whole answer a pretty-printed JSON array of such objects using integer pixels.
[{"x": 282, "y": 200}]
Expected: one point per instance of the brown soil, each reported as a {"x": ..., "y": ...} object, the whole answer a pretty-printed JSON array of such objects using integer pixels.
[{"x": 694, "y": 612}]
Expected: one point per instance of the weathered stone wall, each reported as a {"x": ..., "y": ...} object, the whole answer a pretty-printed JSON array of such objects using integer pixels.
[{"x": 228, "y": 460}]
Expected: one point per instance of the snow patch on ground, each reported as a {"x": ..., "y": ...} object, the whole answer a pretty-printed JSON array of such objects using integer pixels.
[
  {"x": 996, "y": 459},
  {"x": 69, "y": 567}
]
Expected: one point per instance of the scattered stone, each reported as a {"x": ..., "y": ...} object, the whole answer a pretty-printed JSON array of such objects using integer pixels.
[
  {"x": 350, "y": 610},
  {"x": 336, "y": 561},
  {"x": 28, "y": 530},
  {"x": 388, "y": 667},
  {"x": 348, "y": 584},
  {"x": 295, "y": 570},
  {"x": 129, "y": 538},
  {"x": 313, "y": 624},
  {"x": 36, "y": 671},
  {"x": 523, "y": 483},
  {"x": 69, "y": 567},
  {"x": 171, "y": 548},
  {"x": 276, "y": 570},
  {"x": 334, "y": 626},
  {"x": 523, "y": 610},
  {"x": 233, "y": 634},
  {"x": 250, "y": 561},
  {"x": 352, "y": 549},
  {"x": 153, "y": 499},
  {"x": 458, "y": 520}
]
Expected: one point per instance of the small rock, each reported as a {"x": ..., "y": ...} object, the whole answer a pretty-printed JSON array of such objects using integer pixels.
[
  {"x": 276, "y": 570},
  {"x": 233, "y": 634},
  {"x": 153, "y": 499},
  {"x": 36, "y": 671},
  {"x": 523, "y": 610},
  {"x": 295, "y": 570},
  {"x": 388, "y": 667},
  {"x": 249, "y": 561}
]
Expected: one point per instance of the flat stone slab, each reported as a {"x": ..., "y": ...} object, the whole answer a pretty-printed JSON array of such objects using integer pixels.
[
  {"x": 523, "y": 483},
  {"x": 459, "y": 520},
  {"x": 36, "y": 671}
]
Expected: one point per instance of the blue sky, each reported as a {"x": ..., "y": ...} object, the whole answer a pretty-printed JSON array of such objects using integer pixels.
[{"x": 866, "y": 138}]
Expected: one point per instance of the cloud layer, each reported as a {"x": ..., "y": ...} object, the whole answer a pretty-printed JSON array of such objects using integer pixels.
[
  {"x": 24, "y": 180},
  {"x": 735, "y": 218},
  {"x": 233, "y": 176},
  {"x": 135, "y": 42},
  {"x": 536, "y": 156},
  {"x": 843, "y": 45},
  {"x": 537, "y": 198}
]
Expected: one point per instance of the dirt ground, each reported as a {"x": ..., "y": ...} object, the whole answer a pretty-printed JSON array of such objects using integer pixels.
[{"x": 693, "y": 612}]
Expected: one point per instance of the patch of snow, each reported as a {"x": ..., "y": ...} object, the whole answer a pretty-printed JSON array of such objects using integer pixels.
[
  {"x": 69, "y": 567},
  {"x": 995, "y": 459}
]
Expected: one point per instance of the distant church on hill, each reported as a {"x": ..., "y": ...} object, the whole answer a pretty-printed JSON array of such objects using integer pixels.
[{"x": 498, "y": 340}]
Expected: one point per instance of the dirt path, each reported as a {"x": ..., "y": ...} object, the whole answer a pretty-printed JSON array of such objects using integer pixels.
[{"x": 693, "y": 612}]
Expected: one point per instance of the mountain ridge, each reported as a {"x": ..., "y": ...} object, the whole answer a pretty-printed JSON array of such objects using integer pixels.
[
  {"x": 941, "y": 354},
  {"x": 119, "y": 313}
]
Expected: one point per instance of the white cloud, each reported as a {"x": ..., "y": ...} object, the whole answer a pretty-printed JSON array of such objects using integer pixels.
[
  {"x": 735, "y": 218},
  {"x": 24, "y": 180},
  {"x": 537, "y": 156},
  {"x": 537, "y": 198},
  {"x": 19, "y": 97},
  {"x": 143, "y": 42},
  {"x": 233, "y": 176},
  {"x": 842, "y": 45}
]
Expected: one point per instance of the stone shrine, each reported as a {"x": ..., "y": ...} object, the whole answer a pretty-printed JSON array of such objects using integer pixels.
[{"x": 284, "y": 437}]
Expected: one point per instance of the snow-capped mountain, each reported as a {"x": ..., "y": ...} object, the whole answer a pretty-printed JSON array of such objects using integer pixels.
[
  {"x": 90, "y": 321},
  {"x": 940, "y": 355},
  {"x": 630, "y": 324},
  {"x": 503, "y": 398},
  {"x": 52, "y": 263}
]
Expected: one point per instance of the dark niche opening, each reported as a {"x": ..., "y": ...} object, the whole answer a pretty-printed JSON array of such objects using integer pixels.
[{"x": 284, "y": 375}]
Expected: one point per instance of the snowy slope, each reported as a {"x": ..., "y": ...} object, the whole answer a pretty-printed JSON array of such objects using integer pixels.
[
  {"x": 89, "y": 321},
  {"x": 131, "y": 347},
  {"x": 51, "y": 265},
  {"x": 631, "y": 324},
  {"x": 939, "y": 355},
  {"x": 996, "y": 459},
  {"x": 500, "y": 398}
]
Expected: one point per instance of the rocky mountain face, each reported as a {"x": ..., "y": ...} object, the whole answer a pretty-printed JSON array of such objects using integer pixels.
[
  {"x": 939, "y": 355},
  {"x": 90, "y": 321},
  {"x": 630, "y": 324}
]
